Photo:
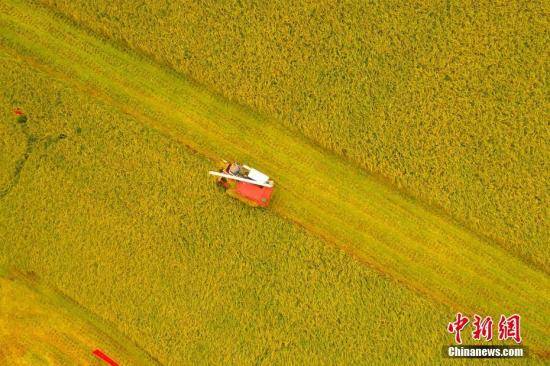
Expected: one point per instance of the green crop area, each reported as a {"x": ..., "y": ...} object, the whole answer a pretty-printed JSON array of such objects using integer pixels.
[{"x": 105, "y": 197}]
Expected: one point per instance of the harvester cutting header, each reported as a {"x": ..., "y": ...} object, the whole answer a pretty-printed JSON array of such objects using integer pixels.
[{"x": 244, "y": 183}]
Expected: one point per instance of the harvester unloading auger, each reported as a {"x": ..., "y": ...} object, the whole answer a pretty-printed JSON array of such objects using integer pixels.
[{"x": 244, "y": 183}]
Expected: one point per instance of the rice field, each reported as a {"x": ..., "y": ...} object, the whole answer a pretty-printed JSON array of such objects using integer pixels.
[
  {"x": 444, "y": 99},
  {"x": 125, "y": 221},
  {"x": 105, "y": 196},
  {"x": 52, "y": 330}
]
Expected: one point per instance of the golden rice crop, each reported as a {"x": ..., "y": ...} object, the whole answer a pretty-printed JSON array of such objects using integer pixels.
[
  {"x": 52, "y": 330},
  {"x": 445, "y": 99},
  {"x": 125, "y": 222},
  {"x": 123, "y": 218}
]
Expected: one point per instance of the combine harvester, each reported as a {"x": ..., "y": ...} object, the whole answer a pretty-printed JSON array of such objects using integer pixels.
[{"x": 244, "y": 183}]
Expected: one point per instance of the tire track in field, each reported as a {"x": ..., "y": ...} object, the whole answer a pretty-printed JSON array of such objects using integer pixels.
[
  {"x": 32, "y": 140},
  {"x": 20, "y": 163}
]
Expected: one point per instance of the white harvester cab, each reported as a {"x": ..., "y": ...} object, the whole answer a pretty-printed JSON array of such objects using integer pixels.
[{"x": 256, "y": 175}]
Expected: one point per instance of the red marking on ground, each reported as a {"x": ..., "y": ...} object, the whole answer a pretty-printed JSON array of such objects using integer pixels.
[
  {"x": 99, "y": 353},
  {"x": 18, "y": 111}
]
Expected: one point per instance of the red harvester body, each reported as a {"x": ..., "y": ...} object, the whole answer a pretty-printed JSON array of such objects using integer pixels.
[{"x": 245, "y": 183}]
